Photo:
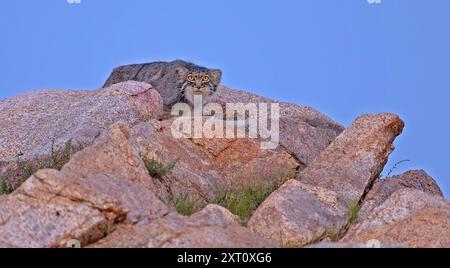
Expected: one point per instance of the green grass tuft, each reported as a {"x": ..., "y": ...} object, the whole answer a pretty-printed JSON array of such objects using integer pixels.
[
  {"x": 353, "y": 209},
  {"x": 243, "y": 201},
  {"x": 184, "y": 205},
  {"x": 5, "y": 187},
  {"x": 158, "y": 170}
]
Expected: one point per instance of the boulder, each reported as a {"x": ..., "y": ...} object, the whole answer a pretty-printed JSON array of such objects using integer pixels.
[
  {"x": 409, "y": 217},
  {"x": 206, "y": 167},
  {"x": 212, "y": 227},
  {"x": 100, "y": 187},
  {"x": 35, "y": 124},
  {"x": 298, "y": 214},
  {"x": 304, "y": 132},
  {"x": 384, "y": 188},
  {"x": 355, "y": 158}
]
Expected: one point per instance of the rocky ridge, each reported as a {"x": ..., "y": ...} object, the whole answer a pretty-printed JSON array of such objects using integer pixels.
[{"x": 326, "y": 188}]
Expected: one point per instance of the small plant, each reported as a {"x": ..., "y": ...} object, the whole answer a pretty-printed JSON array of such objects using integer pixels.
[
  {"x": 184, "y": 205},
  {"x": 59, "y": 159},
  {"x": 5, "y": 187},
  {"x": 158, "y": 170},
  {"x": 56, "y": 160},
  {"x": 353, "y": 209},
  {"x": 396, "y": 166},
  {"x": 244, "y": 201}
]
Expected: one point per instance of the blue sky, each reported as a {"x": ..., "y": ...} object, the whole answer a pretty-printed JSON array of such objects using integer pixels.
[{"x": 343, "y": 57}]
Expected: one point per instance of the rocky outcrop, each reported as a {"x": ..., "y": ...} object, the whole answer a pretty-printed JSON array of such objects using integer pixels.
[
  {"x": 85, "y": 200},
  {"x": 331, "y": 186},
  {"x": 298, "y": 214},
  {"x": 411, "y": 218},
  {"x": 35, "y": 124},
  {"x": 132, "y": 178},
  {"x": 105, "y": 190},
  {"x": 211, "y": 227},
  {"x": 304, "y": 132},
  {"x": 207, "y": 167},
  {"x": 351, "y": 164},
  {"x": 384, "y": 188},
  {"x": 30, "y": 122}
]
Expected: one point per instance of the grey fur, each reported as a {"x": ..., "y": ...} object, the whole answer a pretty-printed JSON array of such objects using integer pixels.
[{"x": 167, "y": 78}]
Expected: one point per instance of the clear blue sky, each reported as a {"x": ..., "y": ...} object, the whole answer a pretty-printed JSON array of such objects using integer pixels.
[{"x": 344, "y": 57}]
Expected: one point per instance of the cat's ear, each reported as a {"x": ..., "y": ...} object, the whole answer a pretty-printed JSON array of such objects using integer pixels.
[
  {"x": 216, "y": 76},
  {"x": 181, "y": 73}
]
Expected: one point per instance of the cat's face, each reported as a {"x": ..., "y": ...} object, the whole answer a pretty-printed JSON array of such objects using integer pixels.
[{"x": 202, "y": 82}]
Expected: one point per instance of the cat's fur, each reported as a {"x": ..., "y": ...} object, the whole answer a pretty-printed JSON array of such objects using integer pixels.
[{"x": 170, "y": 79}]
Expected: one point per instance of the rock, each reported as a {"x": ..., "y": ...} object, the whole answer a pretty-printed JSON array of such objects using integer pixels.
[
  {"x": 197, "y": 231},
  {"x": 101, "y": 186},
  {"x": 370, "y": 244},
  {"x": 31, "y": 124},
  {"x": 118, "y": 190},
  {"x": 207, "y": 167},
  {"x": 145, "y": 100},
  {"x": 304, "y": 132},
  {"x": 384, "y": 188},
  {"x": 112, "y": 153},
  {"x": 44, "y": 213},
  {"x": 298, "y": 214},
  {"x": 408, "y": 217},
  {"x": 356, "y": 158},
  {"x": 217, "y": 215}
]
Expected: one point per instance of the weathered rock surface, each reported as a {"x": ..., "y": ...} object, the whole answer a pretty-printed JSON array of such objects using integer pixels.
[
  {"x": 212, "y": 227},
  {"x": 384, "y": 188},
  {"x": 207, "y": 167},
  {"x": 370, "y": 244},
  {"x": 409, "y": 217},
  {"x": 105, "y": 197},
  {"x": 85, "y": 200},
  {"x": 31, "y": 124},
  {"x": 338, "y": 177},
  {"x": 304, "y": 132},
  {"x": 298, "y": 214},
  {"x": 356, "y": 158}
]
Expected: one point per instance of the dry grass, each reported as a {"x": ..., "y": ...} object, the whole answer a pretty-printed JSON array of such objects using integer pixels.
[{"x": 56, "y": 160}]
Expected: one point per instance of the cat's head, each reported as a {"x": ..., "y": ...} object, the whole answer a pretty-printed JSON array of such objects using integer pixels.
[{"x": 197, "y": 81}]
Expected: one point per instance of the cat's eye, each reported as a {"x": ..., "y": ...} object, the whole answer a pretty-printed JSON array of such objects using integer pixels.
[
  {"x": 191, "y": 78},
  {"x": 205, "y": 78}
]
